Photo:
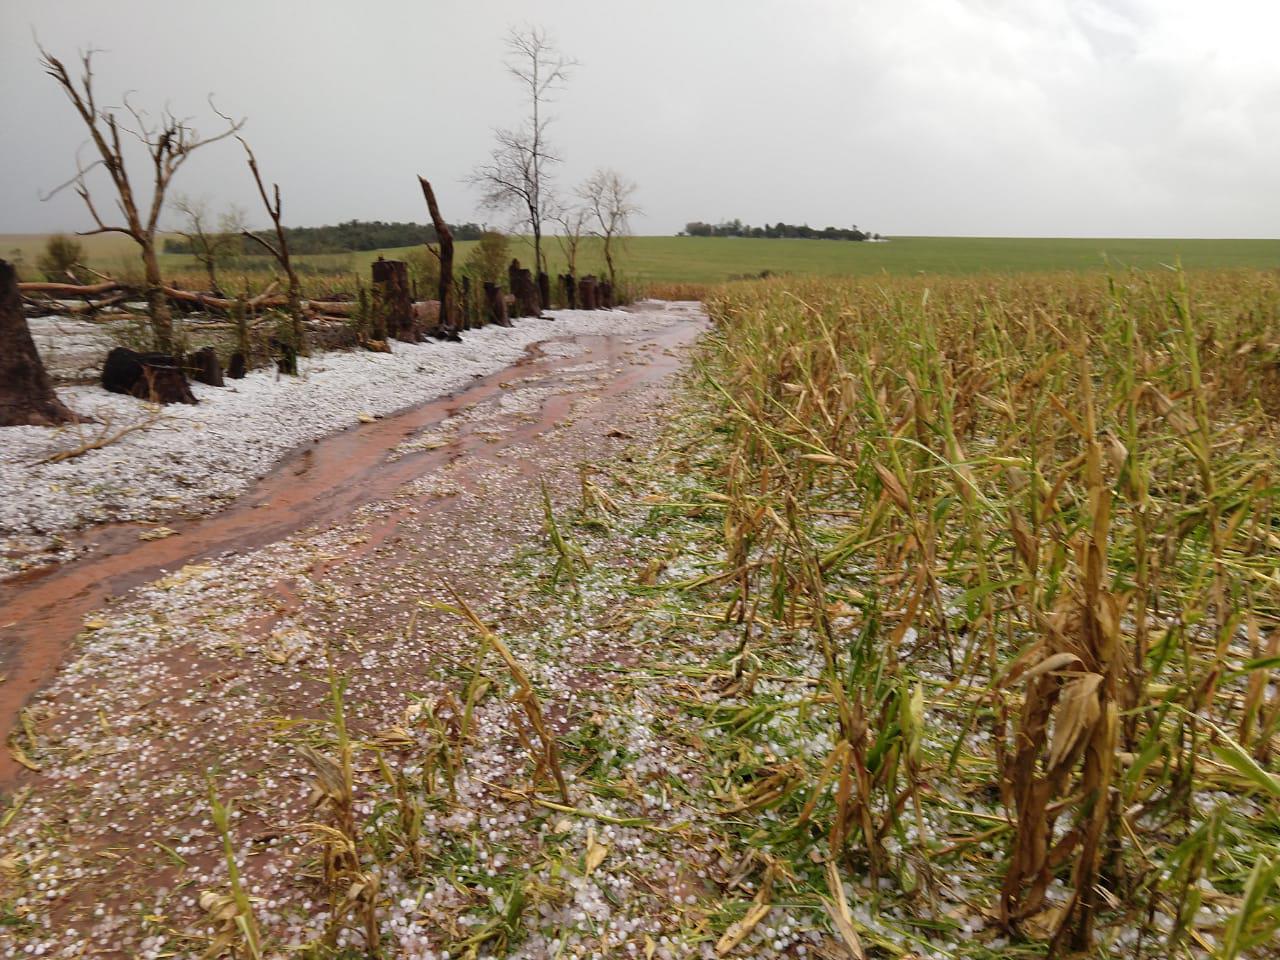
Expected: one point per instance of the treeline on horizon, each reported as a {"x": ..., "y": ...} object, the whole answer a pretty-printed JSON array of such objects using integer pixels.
[
  {"x": 348, "y": 237},
  {"x": 774, "y": 231}
]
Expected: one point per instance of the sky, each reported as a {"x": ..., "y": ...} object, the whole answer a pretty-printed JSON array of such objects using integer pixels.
[{"x": 1089, "y": 118}]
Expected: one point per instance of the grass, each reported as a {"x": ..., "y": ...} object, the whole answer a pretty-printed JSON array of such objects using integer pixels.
[{"x": 708, "y": 260}]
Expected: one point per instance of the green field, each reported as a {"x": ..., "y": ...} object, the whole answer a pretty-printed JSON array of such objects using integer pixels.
[{"x": 713, "y": 259}]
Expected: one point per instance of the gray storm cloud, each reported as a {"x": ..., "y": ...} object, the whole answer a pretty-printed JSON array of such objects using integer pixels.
[{"x": 992, "y": 117}]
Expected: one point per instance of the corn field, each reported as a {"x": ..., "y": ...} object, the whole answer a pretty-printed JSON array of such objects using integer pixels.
[{"x": 1028, "y": 532}]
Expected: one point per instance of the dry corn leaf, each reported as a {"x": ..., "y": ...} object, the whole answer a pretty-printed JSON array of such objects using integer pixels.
[
  {"x": 596, "y": 852},
  {"x": 20, "y": 755},
  {"x": 1049, "y": 664},
  {"x": 741, "y": 929},
  {"x": 838, "y": 908},
  {"x": 893, "y": 487},
  {"x": 179, "y": 577},
  {"x": 1077, "y": 711},
  {"x": 1043, "y": 925}
]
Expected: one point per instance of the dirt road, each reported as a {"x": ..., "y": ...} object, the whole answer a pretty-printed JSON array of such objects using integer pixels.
[{"x": 162, "y": 663}]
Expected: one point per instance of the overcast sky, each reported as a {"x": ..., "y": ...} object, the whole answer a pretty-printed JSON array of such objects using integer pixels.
[{"x": 948, "y": 117}]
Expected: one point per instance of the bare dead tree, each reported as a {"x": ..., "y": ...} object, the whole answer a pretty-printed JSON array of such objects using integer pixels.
[
  {"x": 516, "y": 177},
  {"x": 449, "y": 319},
  {"x": 608, "y": 197},
  {"x": 209, "y": 244},
  {"x": 280, "y": 251},
  {"x": 574, "y": 220},
  {"x": 168, "y": 142}
]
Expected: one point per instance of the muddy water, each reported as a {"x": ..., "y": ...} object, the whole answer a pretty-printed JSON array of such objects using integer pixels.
[{"x": 42, "y": 611}]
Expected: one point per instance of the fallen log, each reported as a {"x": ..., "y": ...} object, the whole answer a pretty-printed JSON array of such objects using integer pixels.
[
  {"x": 267, "y": 299},
  {"x": 73, "y": 289}
]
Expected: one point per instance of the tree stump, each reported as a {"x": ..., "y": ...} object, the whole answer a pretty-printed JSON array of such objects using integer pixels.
[
  {"x": 513, "y": 284},
  {"x": 527, "y": 294},
  {"x": 544, "y": 290},
  {"x": 156, "y": 377},
  {"x": 605, "y": 295},
  {"x": 587, "y": 293},
  {"x": 495, "y": 305},
  {"x": 203, "y": 365},
  {"x": 237, "y": 367},
  {"x": 26, "y": 393},
  {"x": 391, "y": 297},
  {"x": 286, "y": 355},
  {"x": 570, "y": 287}
]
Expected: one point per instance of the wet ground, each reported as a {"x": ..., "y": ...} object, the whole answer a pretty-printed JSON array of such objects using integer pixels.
[{"x": 321, "y": 484}]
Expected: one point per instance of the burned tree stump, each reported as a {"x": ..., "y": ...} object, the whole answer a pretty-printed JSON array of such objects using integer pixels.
[
  {"x": 392, "y": 299},
  {"x": 513, "y": 282},
  {"x": 604, "y": 295},
  {"x": 544, "y": 290},
  {"x": 495, "y": 305},
  {"x": 203, "y": 365},
  {"x": 587, "y": 293},
  {"x": 526, "y": 292},
  {"x": 156, "y": 377},
  {"x": 237, "y": 366},
  {"x": 570, "y": 287},
  {"x": 464, "y": 321},
  {"x": 26, "y": 393}
]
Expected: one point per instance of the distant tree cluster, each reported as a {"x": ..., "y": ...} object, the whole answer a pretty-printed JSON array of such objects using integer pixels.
[
  {"x": 349, "y": 236},
  {"x": 736, "y": 228}
]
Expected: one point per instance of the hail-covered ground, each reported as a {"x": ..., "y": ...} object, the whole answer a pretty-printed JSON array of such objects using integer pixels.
[
  {"x": 218, "y": 681},
  {"x": 185, "y": 460},
  {"x": 685, "y": 736}
]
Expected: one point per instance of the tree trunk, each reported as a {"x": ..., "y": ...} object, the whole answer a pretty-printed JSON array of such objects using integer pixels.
[
  {"x": 527, "y": 293},
  {"x": 605, "y": 295},
  {"x": 495, "y": 305},
  {"x": 537, "y": 258},
  {"x": 203, "y": 365},
  {"x": 448, "y": 310},
  {"x": 157, "y": 302},
  {"x": 570, "y": 288},
  {"x": 391, "y": 296},
  {"x": 26, "y": 394},
  {"x": 608, "y": 259},
  {"x": 544, "y": 289},
  {"x": 587, "y": 293},
  {"x": 513, "y": 285}
]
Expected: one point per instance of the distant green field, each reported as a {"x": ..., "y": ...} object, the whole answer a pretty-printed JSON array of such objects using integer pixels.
[{"x": 713, "y": 259}]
